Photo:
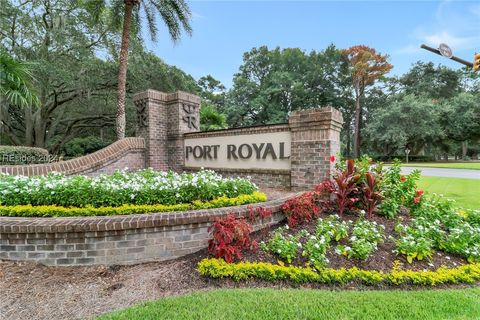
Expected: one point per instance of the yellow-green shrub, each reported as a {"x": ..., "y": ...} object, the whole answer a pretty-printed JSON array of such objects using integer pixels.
[
  {"x": 218, "y": 268},
  {"x": 58, "y": 211}
]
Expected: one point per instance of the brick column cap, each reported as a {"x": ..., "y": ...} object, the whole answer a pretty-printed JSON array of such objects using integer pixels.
[
  {"x": 159, "y": 96},
  {"x": 315, "y": 119}
]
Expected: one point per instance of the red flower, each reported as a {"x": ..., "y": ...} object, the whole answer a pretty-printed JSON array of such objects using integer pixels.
[
  {"x": 332, "y": 159},
  {"x": 403, "y": 179},
  {"x": 416, "y": 200},
  {"x": 419, "y": 192}
]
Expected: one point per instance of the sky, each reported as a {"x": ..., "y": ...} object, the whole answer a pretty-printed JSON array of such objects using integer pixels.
[{"x": 224, "y": 30}]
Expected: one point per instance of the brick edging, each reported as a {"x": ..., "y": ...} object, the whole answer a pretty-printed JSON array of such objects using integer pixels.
[{"x": 135, "y": 221}]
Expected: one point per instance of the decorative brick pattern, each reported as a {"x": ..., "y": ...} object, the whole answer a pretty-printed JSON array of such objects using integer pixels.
[
  {"x": 117, "y": 239},
  {"x": 162, "y": 121},
  {"x": 128, "y": 152}
]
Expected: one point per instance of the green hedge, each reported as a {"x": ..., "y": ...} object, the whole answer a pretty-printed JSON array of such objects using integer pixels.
[
  {"x": 16, "y": 155},
  {"x": 218, "y": 268},
  {"x": 58, "y": 211}
]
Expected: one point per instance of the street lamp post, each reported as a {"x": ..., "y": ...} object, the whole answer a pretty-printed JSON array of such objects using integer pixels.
[{"x": 407, "y": 151}]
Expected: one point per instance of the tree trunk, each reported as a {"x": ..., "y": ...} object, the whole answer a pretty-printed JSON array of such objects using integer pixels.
[
  {"x": 348, "y": 141},
  {"x": 122, "y": 70},
  {"x": 358, "y": 118},
  {"x": 464, "y": 149},
  {"x": 29, "y": 125}
]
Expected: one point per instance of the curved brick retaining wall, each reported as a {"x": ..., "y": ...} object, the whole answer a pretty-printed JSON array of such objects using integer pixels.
[
  {"x": 117, "y": 239},
  {"x": 128, "y": 152}
]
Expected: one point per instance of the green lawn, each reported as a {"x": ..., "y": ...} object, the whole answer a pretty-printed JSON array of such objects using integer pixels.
[
  {"x": 455, "y": 165},
  {"x": 241, "y": 304},
  {"x": 465, "y": 191}
]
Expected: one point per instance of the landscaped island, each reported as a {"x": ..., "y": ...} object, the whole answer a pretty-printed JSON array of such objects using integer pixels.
[
  {"x": 367, "y": 225},
  {"x": 57, "y": 195}
]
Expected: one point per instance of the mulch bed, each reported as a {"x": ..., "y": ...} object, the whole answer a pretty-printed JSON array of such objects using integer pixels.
[
  {"x": 33, "y": 291},
  {"x": 382, "y": 259}
]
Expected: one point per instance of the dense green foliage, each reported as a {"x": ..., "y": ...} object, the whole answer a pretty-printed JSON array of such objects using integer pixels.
[
  {"x": 72, "y": 49},
  {"x": 126, "y": 209},
  {"x": 269, "y": 304},
  {"x": 142, "y": 187},
  {"x": 12, "y": 155},
  {"x": 272, "y": 83},
  {"x": 84, "y": 145}
]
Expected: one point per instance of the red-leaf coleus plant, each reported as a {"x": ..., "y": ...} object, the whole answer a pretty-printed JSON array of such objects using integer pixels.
[
  {"x": 259, "y": 213},
  {"x": 301, "y": 209},
  {"x": 371, "y": 195},
  {"x": 231, "y": 236},
  {"x": 345, "y": 188}
]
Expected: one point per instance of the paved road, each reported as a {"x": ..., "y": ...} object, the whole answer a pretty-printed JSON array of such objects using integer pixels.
[{"x": 444, "y": 172}]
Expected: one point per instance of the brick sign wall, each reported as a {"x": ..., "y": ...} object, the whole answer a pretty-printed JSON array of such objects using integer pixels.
[{"x": 292, "y": 155}]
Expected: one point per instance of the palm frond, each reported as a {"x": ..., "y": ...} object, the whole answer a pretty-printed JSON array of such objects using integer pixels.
[
  {"x": 149, "y": 9},
  {"x": 175, "y": 14},
  {"x": 15, "y": 77}
]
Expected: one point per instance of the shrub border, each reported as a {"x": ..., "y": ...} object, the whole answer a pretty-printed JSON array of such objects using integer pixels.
[
  {"x": 218, "y": 268},
  {"x": 127, "y": 209},
  {"x": 22, "y": 225}
]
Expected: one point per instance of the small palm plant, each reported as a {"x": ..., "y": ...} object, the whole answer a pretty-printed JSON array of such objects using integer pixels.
[{"x": 15, "y": 82}]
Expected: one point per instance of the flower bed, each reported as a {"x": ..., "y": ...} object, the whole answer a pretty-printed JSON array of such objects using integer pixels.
[
  {"x": 121, "y": 193},
  {"x": 367, "y": 224}
]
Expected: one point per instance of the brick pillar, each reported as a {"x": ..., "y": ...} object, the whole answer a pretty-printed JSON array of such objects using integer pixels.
[
  {"x": 183, "y": 117},
  {"x": 162, "y": 118},
  {"x": 315, "y": 137}
]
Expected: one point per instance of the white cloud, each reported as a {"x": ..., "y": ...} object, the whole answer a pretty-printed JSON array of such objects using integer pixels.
[
  {"x": 457, "y": 42},
  {"x": 453, "y": 23}
]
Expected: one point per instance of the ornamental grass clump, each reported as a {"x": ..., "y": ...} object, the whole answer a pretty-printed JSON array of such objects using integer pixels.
[{"x": 145, "y": 187}]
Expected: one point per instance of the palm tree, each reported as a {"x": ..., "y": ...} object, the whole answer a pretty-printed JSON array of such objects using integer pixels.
[
  {"x": 176, "y": 16},
  {"x": 15, "y": 85}
]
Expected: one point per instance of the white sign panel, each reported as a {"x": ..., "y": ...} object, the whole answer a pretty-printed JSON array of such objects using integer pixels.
[{"x": 248, "y": 151}]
